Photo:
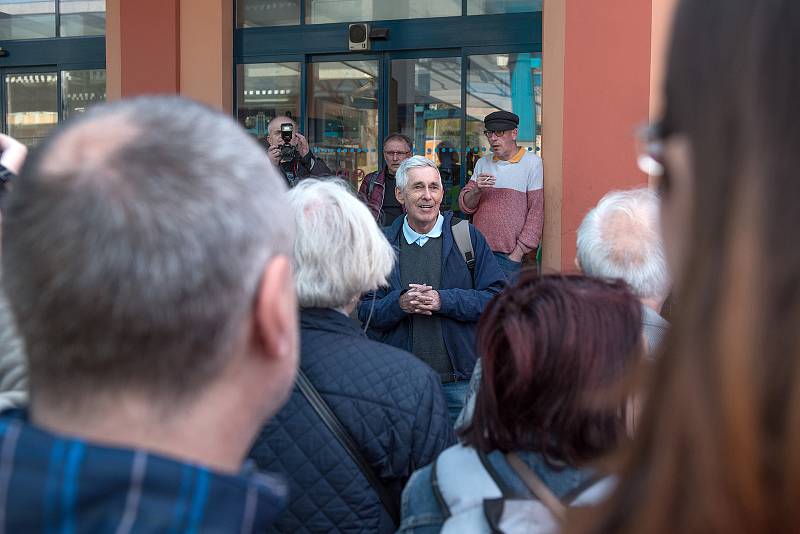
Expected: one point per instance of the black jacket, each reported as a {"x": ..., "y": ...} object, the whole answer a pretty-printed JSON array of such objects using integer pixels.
[
  {"x": 389, "y": 401},
  {"x": 305, "y": 167}
]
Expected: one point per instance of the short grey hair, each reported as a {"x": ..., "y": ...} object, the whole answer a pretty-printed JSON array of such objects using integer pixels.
[
  {"x": 133, "y": 247},
  {"x": 339, "y": 251},
  {"x": 414, "y": 162},
  {"x": 621, "y": 238}
]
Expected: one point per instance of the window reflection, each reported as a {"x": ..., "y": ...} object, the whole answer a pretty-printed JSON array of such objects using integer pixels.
[
  {"x": 327, "y": 11},
  {"x": 82, "y": 17},
  {"x": 265, "y": 91},
  {"x": 343, "y": 116},
  {"x": 253, "y": 13},
  {"x": 33, "y": 19},
  {"x": 32, "y": 105},
  {"x": 81, "y": 89},
  {"x": 425, "y": 99},
  {"x": 511, "y": 82},
  {"x": 494, "y": 7}
]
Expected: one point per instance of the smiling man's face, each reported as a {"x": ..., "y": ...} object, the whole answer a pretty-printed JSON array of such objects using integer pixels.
[{"x": 422, "y": 197}]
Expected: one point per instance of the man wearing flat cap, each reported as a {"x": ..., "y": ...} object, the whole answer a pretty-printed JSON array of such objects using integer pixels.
[{"x": 505, "y": 195}]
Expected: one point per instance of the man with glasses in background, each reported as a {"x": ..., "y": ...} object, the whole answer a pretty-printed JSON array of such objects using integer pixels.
[
  {"x": 377, "y": 189},
  {"x": 505, "y": 195}
]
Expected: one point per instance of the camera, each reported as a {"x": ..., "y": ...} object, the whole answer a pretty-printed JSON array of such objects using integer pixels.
[{"x": 288, "y": 152}]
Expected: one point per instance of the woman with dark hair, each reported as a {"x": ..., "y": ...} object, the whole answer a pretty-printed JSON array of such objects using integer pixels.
[
  {"x": 718, "y": 447},
  {"x": 554, "y": 351}
]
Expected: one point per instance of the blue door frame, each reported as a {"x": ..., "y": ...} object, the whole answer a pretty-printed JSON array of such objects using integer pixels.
[{"x": 408, "y": 39}]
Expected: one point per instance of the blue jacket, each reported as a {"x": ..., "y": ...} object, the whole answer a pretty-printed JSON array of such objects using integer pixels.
[
  {"x": 54, "y": 483},
  {"x": 462, "y": 302},
  {"x": 390, "y": 403}
]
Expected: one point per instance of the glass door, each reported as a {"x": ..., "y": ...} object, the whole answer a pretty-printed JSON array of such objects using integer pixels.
[
  {"x": 347, "y": 105},
  {"x": 342, "y": 115},
  {"x": 35, "y": 100},
  {"x": 425, "y": 105},
  {"x": 30, "y": 99}
]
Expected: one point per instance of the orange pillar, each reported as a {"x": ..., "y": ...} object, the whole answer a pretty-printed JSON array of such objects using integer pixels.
[
  {"x": 144, "y": 47},
  {"x": 171, "y": 46},
  {"x": 663, "y": 12},
  {"x": 593, "y": 110},
  {"x": 206, "y": 52}
]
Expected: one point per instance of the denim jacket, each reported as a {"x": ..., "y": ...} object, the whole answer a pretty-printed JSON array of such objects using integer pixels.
[{"x": 422, "y": 514}]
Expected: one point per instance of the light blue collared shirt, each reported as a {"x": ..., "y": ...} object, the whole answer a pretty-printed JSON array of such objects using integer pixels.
[{"x": 420, "y": 239}]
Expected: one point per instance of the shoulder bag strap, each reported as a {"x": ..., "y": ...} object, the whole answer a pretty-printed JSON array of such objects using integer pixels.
[
  {"x": 537, "y": 486},
  {"x": 335, "y": 426}
]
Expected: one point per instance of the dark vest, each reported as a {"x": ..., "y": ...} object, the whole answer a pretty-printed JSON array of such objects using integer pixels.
[{"x": 423, "y": 265}]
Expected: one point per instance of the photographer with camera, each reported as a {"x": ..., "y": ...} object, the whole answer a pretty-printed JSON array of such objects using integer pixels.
[{"x": 289, "y": 150}]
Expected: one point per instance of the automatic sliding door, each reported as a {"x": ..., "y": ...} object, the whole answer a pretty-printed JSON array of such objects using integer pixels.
[
  {"x": 343, "y": 116},
  {"x": 425, "y": 105}
]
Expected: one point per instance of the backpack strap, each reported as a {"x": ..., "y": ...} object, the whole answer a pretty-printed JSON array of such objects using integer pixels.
[
  {"x": 493, "y": 508},
  {"x": 340, "y": 433},
  {"x": 464, "y": 243},
  {"x": 537, "y": 486}
]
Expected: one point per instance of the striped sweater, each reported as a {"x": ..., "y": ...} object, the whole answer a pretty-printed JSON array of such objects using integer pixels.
[{"x": 512, "y": 212}]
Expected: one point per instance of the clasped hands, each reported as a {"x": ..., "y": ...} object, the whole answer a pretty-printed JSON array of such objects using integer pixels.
[{"x": 421, "y": 299}]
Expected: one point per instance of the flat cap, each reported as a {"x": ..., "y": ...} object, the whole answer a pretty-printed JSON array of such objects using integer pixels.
[{"x": 501, "y": 120}]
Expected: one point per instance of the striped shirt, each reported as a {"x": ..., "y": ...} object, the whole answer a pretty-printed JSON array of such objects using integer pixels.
[
  {"x": 52, "y": 483},
  {"x": 512, "y": 212}
]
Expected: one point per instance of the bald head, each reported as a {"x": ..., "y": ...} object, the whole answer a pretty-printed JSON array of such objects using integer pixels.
[
  {"x": 620, "y": 238},
  {"x": 133, "y": 245},
  {"x": 275, "y": 124}
]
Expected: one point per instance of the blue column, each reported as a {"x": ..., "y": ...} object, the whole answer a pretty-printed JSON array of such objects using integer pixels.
[{"x": 522, "y": 102}]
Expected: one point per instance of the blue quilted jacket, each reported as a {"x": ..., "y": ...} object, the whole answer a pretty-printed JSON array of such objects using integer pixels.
[{"x": 389, "y": 401}]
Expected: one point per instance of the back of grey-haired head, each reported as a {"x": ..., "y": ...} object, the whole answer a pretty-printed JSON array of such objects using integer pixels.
[
  {"x": 414, "y": 162},
  {"x": 339, "y": 251},
  {"x": 621, "y": 238},
  {"x": 133, "y": 247}
]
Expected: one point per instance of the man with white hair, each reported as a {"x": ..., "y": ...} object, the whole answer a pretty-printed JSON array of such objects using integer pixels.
[
  {"x": 386, "y": 400},
  {"x": 620, "y": 238},
  {"x": 434, "y": 297}
]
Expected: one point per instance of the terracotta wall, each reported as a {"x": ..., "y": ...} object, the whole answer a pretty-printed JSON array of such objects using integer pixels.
[
  {"x": 171, "y": 46},
  {"x": 606, "y": 95},
  {"x": 143, "y": 56}
]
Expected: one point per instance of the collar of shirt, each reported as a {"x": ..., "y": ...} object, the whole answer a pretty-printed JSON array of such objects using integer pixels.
[
  {"x": 420, "y": 239},
  {"x": 516, "y": 158}
]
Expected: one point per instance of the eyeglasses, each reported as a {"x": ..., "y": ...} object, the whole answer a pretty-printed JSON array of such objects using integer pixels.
[
  {"x": 395, "y": 154},
  {"x": 498, "y": 133},
  {"x": 650, "y": 158}
]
